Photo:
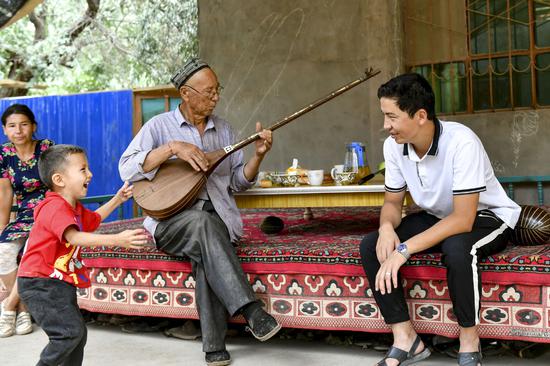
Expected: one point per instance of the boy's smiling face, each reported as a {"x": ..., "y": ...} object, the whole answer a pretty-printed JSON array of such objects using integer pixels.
[{"x": 75, "y": 177}]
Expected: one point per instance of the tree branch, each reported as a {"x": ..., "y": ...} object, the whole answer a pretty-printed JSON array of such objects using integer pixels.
[
  {"x": 113, "y": 40},
  {"x": 86, "y": 20},
  {"x": 17, "y": 66},
  {"x": 89, "y": 15},
  {"x": 39, "y": 22}
]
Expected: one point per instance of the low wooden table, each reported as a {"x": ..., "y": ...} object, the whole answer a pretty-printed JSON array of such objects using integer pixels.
[{"x": 313, "y": 196}]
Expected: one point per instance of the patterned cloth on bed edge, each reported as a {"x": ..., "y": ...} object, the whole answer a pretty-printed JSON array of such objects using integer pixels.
[{"x": 328, "y": 244}]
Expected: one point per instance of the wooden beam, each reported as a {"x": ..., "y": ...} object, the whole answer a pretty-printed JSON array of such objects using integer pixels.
[
  {"x": 25, "y": 10},
  {"x": 15, "y": 84}
]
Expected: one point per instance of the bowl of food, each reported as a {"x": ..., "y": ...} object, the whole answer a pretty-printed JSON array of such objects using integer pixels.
[
  {"x": 273, "y": 177},
  {"x": 344, "y": 178},
  {"x": 284, "y": 179}
]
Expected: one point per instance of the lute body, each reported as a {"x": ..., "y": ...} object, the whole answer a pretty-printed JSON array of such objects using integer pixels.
[{"x": 175, "y": 186}]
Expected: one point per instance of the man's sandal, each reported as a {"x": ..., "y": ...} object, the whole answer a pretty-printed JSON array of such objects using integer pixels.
[
  {"x": 469, "y": 358},
  {"x": 406, "y": 358}
]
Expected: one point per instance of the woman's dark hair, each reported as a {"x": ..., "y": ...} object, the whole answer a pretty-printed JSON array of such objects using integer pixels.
[
  {"x": 411, "y": 92},
  {"x": 18, "y": 109}
]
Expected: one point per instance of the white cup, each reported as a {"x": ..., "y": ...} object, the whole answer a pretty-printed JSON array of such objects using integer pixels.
[
  {"x": 315, "y": 177},
  {"x": 337, "y": 169}
]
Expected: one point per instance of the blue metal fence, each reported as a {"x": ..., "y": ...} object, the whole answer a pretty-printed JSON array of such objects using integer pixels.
[{"x": 99, "y": 122}]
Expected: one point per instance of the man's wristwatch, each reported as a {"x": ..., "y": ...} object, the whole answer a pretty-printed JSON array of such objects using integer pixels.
[{"x": 403, "y": 250}]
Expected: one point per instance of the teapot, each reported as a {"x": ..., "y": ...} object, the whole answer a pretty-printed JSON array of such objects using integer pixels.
[{"x": 356, "y": 160}]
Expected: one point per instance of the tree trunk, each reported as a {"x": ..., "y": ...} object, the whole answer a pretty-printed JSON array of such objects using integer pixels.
[{"x": 18, "y": 71}]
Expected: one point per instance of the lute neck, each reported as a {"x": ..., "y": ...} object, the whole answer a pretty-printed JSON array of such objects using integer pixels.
[{"x": 369, "y": 73}]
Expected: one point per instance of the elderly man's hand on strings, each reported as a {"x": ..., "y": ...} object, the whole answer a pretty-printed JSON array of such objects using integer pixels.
[
  {"x": 191, "y": 154},
  {"x": 263, "y": 144}
]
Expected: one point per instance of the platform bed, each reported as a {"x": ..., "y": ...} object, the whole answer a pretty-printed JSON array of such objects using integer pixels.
[{"x": 310, "y": 276}]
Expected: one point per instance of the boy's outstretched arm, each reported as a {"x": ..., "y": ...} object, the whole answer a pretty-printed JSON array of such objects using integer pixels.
[
  {"x": 123, "y": 194},
  {"x": 134, "y": 239}
]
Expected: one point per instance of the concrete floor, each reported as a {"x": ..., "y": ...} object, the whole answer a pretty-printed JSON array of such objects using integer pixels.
[{"x": 108, "y": 345}]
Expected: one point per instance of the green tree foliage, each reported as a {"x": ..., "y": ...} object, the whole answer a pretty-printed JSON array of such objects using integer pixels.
[{"x": 83, "y": 45}]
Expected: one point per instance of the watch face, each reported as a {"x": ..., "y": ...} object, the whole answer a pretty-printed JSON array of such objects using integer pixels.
[{"x": 402, "y": 247}]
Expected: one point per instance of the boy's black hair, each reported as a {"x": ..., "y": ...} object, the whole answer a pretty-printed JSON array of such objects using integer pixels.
[
  {"x": 18, "y": 109},
  {"x": 411, "y": 93},
  {"x": 53, "y": 161}
]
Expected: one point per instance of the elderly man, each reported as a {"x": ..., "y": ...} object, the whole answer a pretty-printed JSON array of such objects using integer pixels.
[{"x": 205, "y": 231}]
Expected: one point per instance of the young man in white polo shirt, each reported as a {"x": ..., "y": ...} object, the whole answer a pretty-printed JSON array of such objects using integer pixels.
[{"x": 466, "y": 214}]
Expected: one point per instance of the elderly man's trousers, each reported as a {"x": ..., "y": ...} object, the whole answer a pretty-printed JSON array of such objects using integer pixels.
[
  {"x": 460, "y": 255},
  {"x": 221, "y": 286}
]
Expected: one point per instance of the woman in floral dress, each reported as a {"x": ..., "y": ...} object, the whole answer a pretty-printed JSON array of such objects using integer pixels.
[{"x": 18, "y": 176}]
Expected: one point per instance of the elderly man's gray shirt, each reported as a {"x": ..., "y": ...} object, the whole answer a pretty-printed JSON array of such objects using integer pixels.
[{"x": 227, "y": 178}]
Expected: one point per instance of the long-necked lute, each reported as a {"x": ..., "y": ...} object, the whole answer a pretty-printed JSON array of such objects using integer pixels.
[{"x": 176, "y": 184}]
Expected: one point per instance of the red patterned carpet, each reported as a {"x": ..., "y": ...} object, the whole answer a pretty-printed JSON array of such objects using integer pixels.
[
  {"x": 328, "y": 244},
  {"x": 310, "y": 276}
]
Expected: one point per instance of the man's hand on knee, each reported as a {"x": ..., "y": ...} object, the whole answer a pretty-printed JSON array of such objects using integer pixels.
[
  {"x": 388, "y": 274},
  {"x": 386, "y": 244}
]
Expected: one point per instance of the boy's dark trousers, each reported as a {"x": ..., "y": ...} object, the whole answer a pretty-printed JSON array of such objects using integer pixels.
[{"x": 52, "y": 304}]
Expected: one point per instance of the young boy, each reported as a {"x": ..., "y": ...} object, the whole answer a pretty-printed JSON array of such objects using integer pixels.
[{"x": 51, "y": 268}]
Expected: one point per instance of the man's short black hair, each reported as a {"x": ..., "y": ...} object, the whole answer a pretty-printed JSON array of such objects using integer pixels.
[
  {"x": 53, "y": 161},
  {"x": 411, "y": 93}
]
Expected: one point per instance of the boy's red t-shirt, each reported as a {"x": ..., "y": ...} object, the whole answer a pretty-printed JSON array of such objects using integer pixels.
[{"x": 48, "y": 254}]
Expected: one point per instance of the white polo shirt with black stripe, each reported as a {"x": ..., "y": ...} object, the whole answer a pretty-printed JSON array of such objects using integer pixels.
[{"x": 455, "y": 164}]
